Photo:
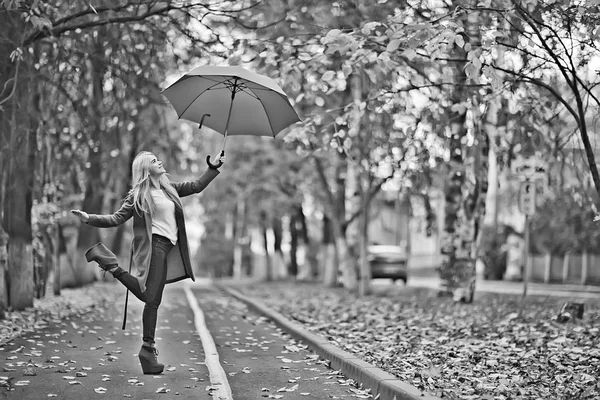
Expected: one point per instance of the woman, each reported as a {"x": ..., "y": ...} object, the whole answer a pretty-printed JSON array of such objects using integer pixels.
[{"x": 158, "y": 226}]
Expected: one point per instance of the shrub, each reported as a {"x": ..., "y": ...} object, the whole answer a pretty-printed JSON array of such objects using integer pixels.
[
  {"x": 562, "y": 224},
  {"x": 492, "y": 250}
]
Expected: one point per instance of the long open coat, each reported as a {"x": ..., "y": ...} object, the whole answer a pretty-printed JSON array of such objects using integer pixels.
[{"x": 178, "y": 261}]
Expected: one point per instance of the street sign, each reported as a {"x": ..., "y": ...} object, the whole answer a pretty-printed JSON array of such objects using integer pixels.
[
  {"x": 529, "y": 167},
  {"x": 527, "y": 198}
]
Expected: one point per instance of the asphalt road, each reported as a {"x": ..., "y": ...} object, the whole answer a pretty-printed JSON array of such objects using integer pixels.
[{"x": 91, "y": 357}]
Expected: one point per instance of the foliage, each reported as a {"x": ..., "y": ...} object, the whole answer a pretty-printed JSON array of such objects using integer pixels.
[{"x": 563, "y": 225}]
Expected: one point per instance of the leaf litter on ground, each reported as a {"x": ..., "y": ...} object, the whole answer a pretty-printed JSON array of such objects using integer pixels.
[
  {"x": 52, "y": 310},
  {"x": 495, "y": 347}
]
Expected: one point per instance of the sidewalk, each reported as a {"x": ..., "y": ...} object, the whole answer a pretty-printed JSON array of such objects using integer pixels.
[
  {"x": 500, "y": 287},
  {"x": 506, "y": 287}
]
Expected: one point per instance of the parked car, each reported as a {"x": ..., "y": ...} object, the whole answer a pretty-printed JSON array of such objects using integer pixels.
[{"x": 388, "y": 261}]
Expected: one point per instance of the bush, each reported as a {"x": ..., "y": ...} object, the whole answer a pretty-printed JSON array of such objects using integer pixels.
[
  {"x": 563, "y": 225},
  {"x": 492, "y": 250}
]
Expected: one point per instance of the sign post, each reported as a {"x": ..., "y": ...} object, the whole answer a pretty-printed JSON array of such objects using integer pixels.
[
  {"x": 527, "y": 258},
  {"x": 527, "y": 206}
]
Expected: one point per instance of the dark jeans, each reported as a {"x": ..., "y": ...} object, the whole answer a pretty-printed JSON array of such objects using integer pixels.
[{"x": 155, "y": 284}]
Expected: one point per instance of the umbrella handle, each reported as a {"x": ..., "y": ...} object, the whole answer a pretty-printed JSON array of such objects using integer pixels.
[
  {"x": 217, "y": 165},
  {"x": 202, "y": 120}
]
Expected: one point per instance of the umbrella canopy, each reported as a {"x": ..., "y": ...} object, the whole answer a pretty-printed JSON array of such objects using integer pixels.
[{"x": 234, "y": 100}]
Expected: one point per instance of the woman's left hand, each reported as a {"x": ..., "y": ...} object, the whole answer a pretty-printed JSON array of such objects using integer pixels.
[{"x": 218, "y": 164}]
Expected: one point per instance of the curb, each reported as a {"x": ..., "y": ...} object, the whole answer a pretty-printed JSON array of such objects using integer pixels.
[{"x": 380, "y": 382}]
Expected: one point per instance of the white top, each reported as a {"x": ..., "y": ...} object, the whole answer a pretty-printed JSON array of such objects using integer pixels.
[{"x": 163, "y": 220}]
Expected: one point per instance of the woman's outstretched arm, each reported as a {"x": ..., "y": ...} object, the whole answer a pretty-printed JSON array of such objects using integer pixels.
[{"x": 108, "y": 220}]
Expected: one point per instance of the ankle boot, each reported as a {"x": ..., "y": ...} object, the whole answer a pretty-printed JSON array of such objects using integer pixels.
[
  {"x": 103, "y": 256},
  {"x": 148, "y": 359}
]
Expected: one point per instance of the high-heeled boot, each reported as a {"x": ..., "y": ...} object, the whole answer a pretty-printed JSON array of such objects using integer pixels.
[
  {"x": 149, "y": 360},
  {"x": 105, "y": 258}
]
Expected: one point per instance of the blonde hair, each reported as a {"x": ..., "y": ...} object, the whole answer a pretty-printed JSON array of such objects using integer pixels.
[{"x": 141, "y": 185}]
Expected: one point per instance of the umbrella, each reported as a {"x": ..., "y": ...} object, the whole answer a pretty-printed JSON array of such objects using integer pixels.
[{"x": 231, "y": 101}]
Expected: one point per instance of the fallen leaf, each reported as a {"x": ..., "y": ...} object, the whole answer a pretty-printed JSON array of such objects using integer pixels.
[{"x": 293, "y": 388}]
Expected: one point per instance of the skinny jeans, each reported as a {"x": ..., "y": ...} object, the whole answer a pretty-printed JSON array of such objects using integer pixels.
[{"x": 155, "y": 284}]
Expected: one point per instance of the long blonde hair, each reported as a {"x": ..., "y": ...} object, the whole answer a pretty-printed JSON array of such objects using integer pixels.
[{"x": 141, "y": 185}]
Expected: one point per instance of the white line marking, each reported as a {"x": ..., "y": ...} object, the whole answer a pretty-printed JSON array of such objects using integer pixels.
[{"x": 218, "y": 378}]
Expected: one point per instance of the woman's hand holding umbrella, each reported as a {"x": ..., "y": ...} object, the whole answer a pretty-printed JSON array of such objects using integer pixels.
[{"x": 219, "y": 163}]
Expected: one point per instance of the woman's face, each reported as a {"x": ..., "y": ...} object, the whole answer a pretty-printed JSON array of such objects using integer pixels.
[{"x": 156, "y": 168}]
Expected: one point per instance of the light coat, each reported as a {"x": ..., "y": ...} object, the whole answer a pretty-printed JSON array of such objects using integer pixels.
[{"x": 178, "y": 261}]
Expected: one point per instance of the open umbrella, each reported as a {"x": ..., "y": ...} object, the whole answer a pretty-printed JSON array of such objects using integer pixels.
[{"x": 231, "y": 101}]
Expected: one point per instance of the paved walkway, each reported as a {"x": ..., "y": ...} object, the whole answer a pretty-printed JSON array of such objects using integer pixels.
[
  {"x": 213, "y": 347},
  {"x": 534, "y": 289}
]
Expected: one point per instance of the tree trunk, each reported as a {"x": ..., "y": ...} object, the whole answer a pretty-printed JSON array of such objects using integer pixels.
[
  {"x": 491, "y": 198},
  {"x": 3, "y": 272},
  {"x": 311, "y": 248},
  {"x": 329, "y": 254},
  {"x": 349, "y": 241},
  {"x": 264, "y": 228},
  {"x": 54, "y": 271},
  {"x": 277, "y": 254},
  {"x": 365, "y": 268},
  {"x": 293, "y": 228},
  {"x": 17, "y": 218},
  {"x": 238, "y": 234},
  {"x": 462, "y": 189},
  {"x": 18, "y": 126}
]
